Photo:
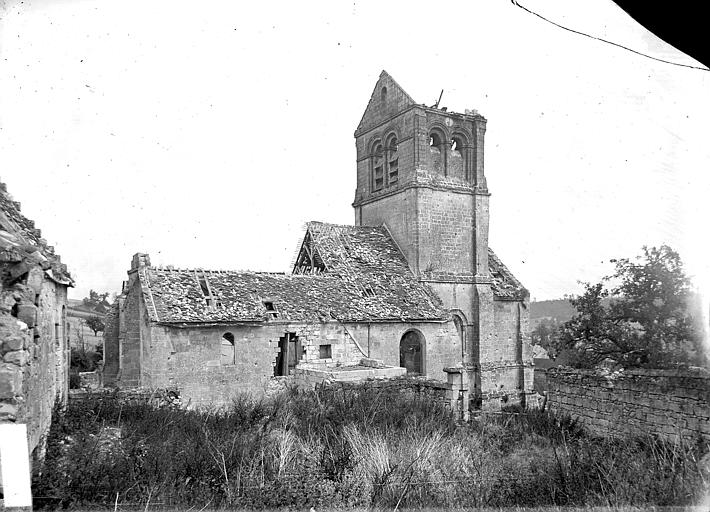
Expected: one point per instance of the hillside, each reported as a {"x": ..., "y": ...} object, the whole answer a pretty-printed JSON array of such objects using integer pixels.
[{"x": 559, "y": 309}]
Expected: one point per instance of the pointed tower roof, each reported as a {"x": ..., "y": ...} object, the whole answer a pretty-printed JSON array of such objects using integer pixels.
[{"x": 387, "y": 99}]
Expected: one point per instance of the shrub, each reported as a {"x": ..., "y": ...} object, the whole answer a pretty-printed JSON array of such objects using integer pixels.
[{"x": 336, "y": 448}]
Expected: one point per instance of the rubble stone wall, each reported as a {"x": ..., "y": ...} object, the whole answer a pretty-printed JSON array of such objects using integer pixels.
[
  {"x": 671, "y": 403},
  {"x": 419, "y": 386},
  {"x": 35, "y": 356}
]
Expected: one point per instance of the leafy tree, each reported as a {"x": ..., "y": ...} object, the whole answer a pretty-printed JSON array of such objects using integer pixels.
[
  {"x": 95, "y": 323},
  {"x": 642, "y": 315},
  {"x": 545, "y": 335},
  {"x": 95, "y": 299}
]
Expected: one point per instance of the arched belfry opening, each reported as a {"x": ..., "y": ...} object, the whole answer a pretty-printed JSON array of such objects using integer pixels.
[{"x": 411, "y": 352}]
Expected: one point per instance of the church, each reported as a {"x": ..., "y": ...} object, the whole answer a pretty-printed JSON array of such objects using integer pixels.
[{"x": 411, "y": 288}]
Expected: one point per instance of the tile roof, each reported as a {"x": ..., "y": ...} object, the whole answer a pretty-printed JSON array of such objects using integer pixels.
[
  {"x": 366, "y": 278},
  {"x": 21, "y": 243},
  {"x": 350, "y": 273},
  {"x": 505, "y": 285}
]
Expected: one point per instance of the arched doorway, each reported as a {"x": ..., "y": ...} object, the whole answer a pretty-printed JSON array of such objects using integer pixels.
[{"x": 411, "y": 352}]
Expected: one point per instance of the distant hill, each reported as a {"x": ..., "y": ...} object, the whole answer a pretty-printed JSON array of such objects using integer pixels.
[{"x": 560, "y": 309}]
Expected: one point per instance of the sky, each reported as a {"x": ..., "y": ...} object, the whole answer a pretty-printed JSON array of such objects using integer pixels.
[{"x": 206, "y": 134}]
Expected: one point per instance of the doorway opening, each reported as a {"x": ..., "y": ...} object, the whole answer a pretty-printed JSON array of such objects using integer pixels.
[
  {"x": 290, "y": 353},
  {"x": 411, "y": 349}
]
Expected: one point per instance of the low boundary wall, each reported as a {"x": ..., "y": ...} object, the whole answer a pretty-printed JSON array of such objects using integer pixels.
[{"x": 671, "y": 403}]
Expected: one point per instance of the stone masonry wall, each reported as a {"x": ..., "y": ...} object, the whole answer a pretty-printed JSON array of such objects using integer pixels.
[
  {"x": 188, "y": 359},
  {"x": 34, "y": 350},
  {"x": 671, "y": 403},
  {"x": 111, "y": 347},
  {"x": 442, "y": 347},
  {"x": 506, "y": 363}
]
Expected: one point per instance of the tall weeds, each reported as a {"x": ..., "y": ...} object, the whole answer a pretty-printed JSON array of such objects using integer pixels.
[{"x": 344, "y": 449}]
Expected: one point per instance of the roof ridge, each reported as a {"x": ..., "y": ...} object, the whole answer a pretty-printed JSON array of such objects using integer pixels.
[
  {"x": 215, "y": 271},
  {"x": 349, "y": 226}
]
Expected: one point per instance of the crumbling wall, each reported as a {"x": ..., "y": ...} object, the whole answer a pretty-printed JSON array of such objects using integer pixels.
[
  {"x": 671, "y": 403},
  {"x": 34, "y": 368}
]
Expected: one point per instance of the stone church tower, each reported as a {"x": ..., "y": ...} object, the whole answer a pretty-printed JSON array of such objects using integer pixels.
[{"x": 420, "y": 173}]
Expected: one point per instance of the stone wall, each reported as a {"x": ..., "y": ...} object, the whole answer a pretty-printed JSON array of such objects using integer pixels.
[
  {"x": 442, "y": 346},
  {"x": 671, "y": 403},
  {"x": 188, "y": 359},
  {"x": 35, "y": 357},
  {"x": 142, "y": 353}
]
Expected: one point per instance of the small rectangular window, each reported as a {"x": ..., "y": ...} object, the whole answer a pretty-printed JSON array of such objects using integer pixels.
[
  {"x": 325, "y": 352},
  {"x": 379, "y": 177}
]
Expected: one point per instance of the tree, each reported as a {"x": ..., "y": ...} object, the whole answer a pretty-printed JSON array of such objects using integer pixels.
[
  {"x": 545, "y": 334},
  {"x": 642, "y": 315},
  {"x": 95, "y": 299},
  {"x": 95, "y": 323}
]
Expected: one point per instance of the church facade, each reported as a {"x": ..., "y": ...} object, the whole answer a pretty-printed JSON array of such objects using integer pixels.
[{"x": 411, "y": 287}]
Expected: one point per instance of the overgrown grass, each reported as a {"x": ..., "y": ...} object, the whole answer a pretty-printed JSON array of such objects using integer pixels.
[{"x": 329, "y": 448}]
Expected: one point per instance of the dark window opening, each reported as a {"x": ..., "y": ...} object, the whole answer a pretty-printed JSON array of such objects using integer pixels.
[
  {"x": 15, "y": 309},
  {"x": 383, "y": 94},
  {"x": 378, "y": 166},
  {"x": 203, "y": 285},
  {"x": 394, "y": 171},
  {"x": 392, "y": 161},
  {"x": 206, "y": 289},
  {"x": 325, "y": 352},
  {"x": 410, "y": 353},
  {"x": 37, "y": 299},
  {"x": 271, "y": 309},
  {"x": 228, "y": 350},
  {"x": 56, "y": 334},
  {"x": 437, "y": 153}
]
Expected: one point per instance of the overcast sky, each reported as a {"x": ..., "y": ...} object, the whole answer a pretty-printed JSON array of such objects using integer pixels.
[{"x": 207, "y": 133}]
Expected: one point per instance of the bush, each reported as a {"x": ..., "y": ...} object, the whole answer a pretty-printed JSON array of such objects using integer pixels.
[
  {"x": 84, "y": 360},
  {"x": 332, "y": 448}
]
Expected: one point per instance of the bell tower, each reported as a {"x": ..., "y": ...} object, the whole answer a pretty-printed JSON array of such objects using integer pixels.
[{"x": 420, "y": 173}]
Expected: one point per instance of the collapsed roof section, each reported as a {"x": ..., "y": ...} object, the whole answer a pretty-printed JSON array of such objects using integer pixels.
[{"x": 22, "y": 245}]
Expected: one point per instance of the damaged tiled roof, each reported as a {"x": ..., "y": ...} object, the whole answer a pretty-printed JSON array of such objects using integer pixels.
[
  {"x": 356, "y": 274},
  {"x": 175, "y": 296},
  {"x": 366, "y": 279},
  {"x": 505, "y": 285},
  {"x": 22, "y": 244}
]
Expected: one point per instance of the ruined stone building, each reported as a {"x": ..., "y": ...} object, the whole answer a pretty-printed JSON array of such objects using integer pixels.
[
  {"x": 413, "y": 284},
  {"x": 33, "y": 338}
]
